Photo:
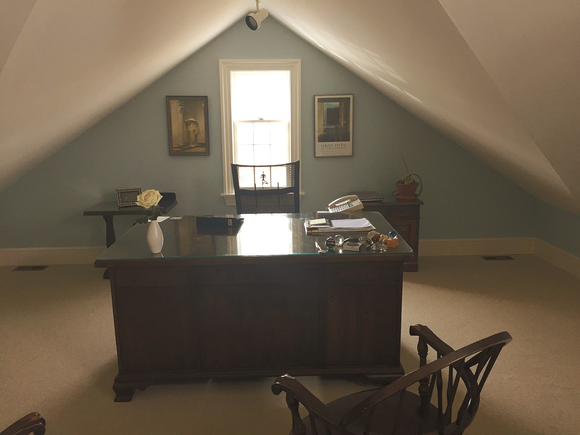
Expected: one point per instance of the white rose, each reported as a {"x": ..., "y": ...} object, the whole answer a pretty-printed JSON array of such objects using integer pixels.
[{"x": 149, "y": 198}]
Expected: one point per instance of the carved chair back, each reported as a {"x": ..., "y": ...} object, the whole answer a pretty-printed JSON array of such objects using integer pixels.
[
  {"x": 449, "y": 389},
  {"x": 267, "y": 188},
  {"x": 31, "y": 423}
]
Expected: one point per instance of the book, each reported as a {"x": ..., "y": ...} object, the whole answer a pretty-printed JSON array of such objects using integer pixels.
[{"x": 321, "y": 222}]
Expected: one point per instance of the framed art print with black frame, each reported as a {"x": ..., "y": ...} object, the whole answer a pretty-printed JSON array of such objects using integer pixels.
[
  {"x": 333, "y": 125},
  {"x": 188, "y": 126}
]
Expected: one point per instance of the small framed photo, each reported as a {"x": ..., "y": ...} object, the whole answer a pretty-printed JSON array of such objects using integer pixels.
[
  {"x": 333, "y": 125},
  {"x": 188, "y": 126},
  {"x": 128, "y": 197}
]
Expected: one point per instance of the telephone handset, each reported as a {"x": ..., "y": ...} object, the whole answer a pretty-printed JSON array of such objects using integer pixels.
[{"x": 347, "y": 203}]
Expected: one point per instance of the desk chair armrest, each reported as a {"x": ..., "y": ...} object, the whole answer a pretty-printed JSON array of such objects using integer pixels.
[
  {"x": 31, "y": 423},
  {"x": 401, "y": 384},
  {"x": 297, "y": 394},
  {"x": 426, "y": 336}
]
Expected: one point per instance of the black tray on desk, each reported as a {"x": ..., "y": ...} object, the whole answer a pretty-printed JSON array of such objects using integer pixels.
[{"x": 219, "y": 225}]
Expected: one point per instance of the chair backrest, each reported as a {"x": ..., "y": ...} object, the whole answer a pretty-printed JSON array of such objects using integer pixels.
[
  {"x": 449, "y": 393},
  {"x": 267, "y": 188},
  {"x": 32, "y": 423},
  {"x": 457, "y": 378}
]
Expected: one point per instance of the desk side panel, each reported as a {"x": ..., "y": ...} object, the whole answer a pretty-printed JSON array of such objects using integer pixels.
[
  {"x": 308, "y": 317},
  {"x": 155, "y": 320},
  {"x": 363, "y": 315},
  {"x": 258, "y": 317}
]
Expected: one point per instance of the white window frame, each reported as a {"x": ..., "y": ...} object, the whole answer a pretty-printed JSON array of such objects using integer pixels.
[{"x": 226, "y": 66}]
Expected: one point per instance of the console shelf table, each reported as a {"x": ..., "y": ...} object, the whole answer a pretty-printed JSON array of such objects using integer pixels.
[{"x": 110, "y": 209}]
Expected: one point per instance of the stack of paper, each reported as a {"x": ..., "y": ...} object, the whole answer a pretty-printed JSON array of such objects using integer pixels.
[
  {"x": 351, "y": 224},
  {"x": 314, "y": 226}
]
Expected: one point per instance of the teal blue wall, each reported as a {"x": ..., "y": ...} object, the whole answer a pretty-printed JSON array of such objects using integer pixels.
[
  {"x": 558, "y": 227},
  {"x": 463, "y": 197}
]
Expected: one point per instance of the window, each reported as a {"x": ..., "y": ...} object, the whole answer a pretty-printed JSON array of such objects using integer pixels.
[{"x": 260, "y": 105}]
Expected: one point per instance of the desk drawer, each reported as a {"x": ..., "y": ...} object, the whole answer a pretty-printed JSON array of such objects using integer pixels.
[
  {"x": 382, "y": 209},
  {"x": 407, "y": 211}
]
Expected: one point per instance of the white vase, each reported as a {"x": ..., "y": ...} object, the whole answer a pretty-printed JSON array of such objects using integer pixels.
[{"x": 154, "y": 237}]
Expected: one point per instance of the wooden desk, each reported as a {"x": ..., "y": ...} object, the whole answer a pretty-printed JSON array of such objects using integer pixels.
[
  {"x": 261, "y": 302},
  {"x": 404, "y": 216}
]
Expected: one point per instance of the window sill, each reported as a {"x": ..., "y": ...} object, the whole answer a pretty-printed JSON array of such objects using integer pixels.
[{"x": 229, "y": 198}]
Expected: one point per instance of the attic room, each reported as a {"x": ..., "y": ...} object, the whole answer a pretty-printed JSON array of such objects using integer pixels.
[{"x": 481, "y": 99}]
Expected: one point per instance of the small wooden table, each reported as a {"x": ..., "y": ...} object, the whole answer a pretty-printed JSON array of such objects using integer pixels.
[{"x": 110, "y": 209}]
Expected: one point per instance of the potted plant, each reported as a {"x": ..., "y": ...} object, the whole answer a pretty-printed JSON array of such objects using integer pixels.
[{"x": 407, "y": 187}]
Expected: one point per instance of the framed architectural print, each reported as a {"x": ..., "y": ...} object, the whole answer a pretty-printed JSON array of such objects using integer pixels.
[
  {"x": 128, "y": 197},
  {"x": 188, "y": 126},
  {"x": 333, "y": 122}
]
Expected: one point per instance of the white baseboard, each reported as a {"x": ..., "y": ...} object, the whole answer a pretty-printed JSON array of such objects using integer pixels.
[
  {"x": 49, "y": 256},
  {"x": 503, "y": 246},
  {"x": 558, "y": 257},
  {"x": 427, "y": 248}
]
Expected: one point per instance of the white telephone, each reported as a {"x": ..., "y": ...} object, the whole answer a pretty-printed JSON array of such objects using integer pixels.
[{"x": 347, "y": 204}]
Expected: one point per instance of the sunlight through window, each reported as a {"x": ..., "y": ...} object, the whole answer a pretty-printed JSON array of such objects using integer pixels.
[
  {"x": 260, "y": 108},
  {"x": 261, "y": 116}
]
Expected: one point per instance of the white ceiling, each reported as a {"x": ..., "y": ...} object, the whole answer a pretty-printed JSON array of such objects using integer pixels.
[{"x": 496, "y": 76}]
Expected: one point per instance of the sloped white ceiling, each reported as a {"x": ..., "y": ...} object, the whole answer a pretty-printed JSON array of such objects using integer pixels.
[
  {"x": 530, "y": 50},
  {"x": 73, "y": 62},
  {"x": 498, "y": 77}
]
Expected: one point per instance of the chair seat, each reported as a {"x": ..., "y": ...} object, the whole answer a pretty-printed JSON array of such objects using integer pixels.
[{"x": 384, "y": 414}]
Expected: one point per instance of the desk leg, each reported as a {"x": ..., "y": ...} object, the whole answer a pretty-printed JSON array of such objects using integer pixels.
[
  {"x": 110, "y": 230},
  {"x": 110, "y": 238},
  {"x": 123, "y": 393},
  {"x": 124, "y": 389}
]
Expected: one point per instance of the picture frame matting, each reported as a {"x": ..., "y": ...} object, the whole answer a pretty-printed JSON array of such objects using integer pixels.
[{"x": 333, "y": 125}]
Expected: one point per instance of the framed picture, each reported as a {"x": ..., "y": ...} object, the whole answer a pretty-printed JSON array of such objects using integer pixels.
[
  {"x": 188, "y": 126},
  {"x": 128, "y": 197},
  {"x": 333, "y": 122}
]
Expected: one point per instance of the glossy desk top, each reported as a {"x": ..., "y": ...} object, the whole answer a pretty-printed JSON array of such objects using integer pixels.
[{"x": 260, "y": 235}]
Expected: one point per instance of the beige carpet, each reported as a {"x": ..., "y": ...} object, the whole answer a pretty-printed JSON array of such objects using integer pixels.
[{"x": 57, "y": 354}]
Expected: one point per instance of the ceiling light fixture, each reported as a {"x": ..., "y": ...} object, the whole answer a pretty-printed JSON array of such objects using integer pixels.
[{"x": 253, "y": 20}]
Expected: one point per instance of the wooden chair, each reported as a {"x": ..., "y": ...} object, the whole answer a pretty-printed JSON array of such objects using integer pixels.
[
  {"x": 31, "y": 423},
  {"x": 457, "y": 377},
  {"x": 267, "y": 188}
]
